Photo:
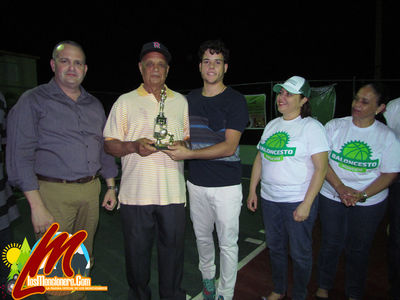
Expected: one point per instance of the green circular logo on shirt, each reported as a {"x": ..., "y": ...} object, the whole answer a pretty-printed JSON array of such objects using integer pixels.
[
  {"x": 356, "y": 150},
  {"x": 355, "y": 156},
  {"x": 277, "y": 141},
  {"x": 274, "y": 148}
]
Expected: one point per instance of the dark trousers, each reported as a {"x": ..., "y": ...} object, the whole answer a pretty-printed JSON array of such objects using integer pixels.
[
  {"x": 284, "y": 233},
  {"x": 351, "y": 229},
  {"x": 140, "y": 225},
  {"x": 394, "y": 240}
]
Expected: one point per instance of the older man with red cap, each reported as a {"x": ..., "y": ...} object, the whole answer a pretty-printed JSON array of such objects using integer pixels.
[{"x": 152, "y": 191}]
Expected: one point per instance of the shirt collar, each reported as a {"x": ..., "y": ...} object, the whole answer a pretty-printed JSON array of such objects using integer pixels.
[
  {"x": 56, "y": 90},
  {"x": 142, "y": 91}
]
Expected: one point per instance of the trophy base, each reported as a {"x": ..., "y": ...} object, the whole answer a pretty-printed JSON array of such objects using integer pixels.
[{"x": 160, "y": 147}]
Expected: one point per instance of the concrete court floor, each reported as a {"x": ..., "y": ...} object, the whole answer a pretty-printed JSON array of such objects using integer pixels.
[{"x": 109, "y": 267}]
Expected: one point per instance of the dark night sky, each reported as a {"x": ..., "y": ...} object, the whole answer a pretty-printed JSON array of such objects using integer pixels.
[{"x": 318, "y": 40}]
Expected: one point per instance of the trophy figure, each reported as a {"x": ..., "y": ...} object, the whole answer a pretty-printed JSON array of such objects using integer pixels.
[{"x": 160, "y": 126}]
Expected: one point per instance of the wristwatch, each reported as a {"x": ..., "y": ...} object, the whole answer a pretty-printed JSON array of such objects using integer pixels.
[
  {"x": 113, "y": 187},
  {"x": 364, "y": 197}
]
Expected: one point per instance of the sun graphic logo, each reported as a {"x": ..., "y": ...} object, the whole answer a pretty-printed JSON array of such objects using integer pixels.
[
  {"x": 59, "y": 263},
  {"x": 14, "y": 257},
  {"x": 10, "y": 254},
  {"x": 355, "y": 156},
  {"x": 275, "y": 147}
]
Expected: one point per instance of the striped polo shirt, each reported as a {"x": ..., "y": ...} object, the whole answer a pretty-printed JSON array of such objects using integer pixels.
[{"x": 154, "y": 179}]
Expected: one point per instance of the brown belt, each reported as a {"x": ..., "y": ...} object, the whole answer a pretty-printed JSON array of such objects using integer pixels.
[{"x": 59, "y": 180}]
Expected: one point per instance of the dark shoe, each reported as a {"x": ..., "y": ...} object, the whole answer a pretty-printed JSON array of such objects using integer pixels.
[{"x": 321, "y": 298}]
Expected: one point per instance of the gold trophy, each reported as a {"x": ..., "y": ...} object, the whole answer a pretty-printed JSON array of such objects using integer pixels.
[{"x": 160, "y": 126}]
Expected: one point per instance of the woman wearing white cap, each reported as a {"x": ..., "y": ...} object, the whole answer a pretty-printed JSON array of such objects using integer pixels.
[
  {"x": 363, "y": 161},
  {"x": 291, "y": 164}
]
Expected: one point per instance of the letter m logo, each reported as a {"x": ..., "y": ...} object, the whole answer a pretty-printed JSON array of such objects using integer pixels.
[{"x": 52, "y": 248}]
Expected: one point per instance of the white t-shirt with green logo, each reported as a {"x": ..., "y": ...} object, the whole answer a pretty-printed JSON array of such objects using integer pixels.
[
  {"x": 286, "y": 148},
  {"x": 359, "y": 155},
  {"x": 392, "y": 115}
]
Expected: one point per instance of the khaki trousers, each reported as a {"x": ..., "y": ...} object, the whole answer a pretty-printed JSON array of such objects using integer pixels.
[{"x": 75, "y": 207}]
